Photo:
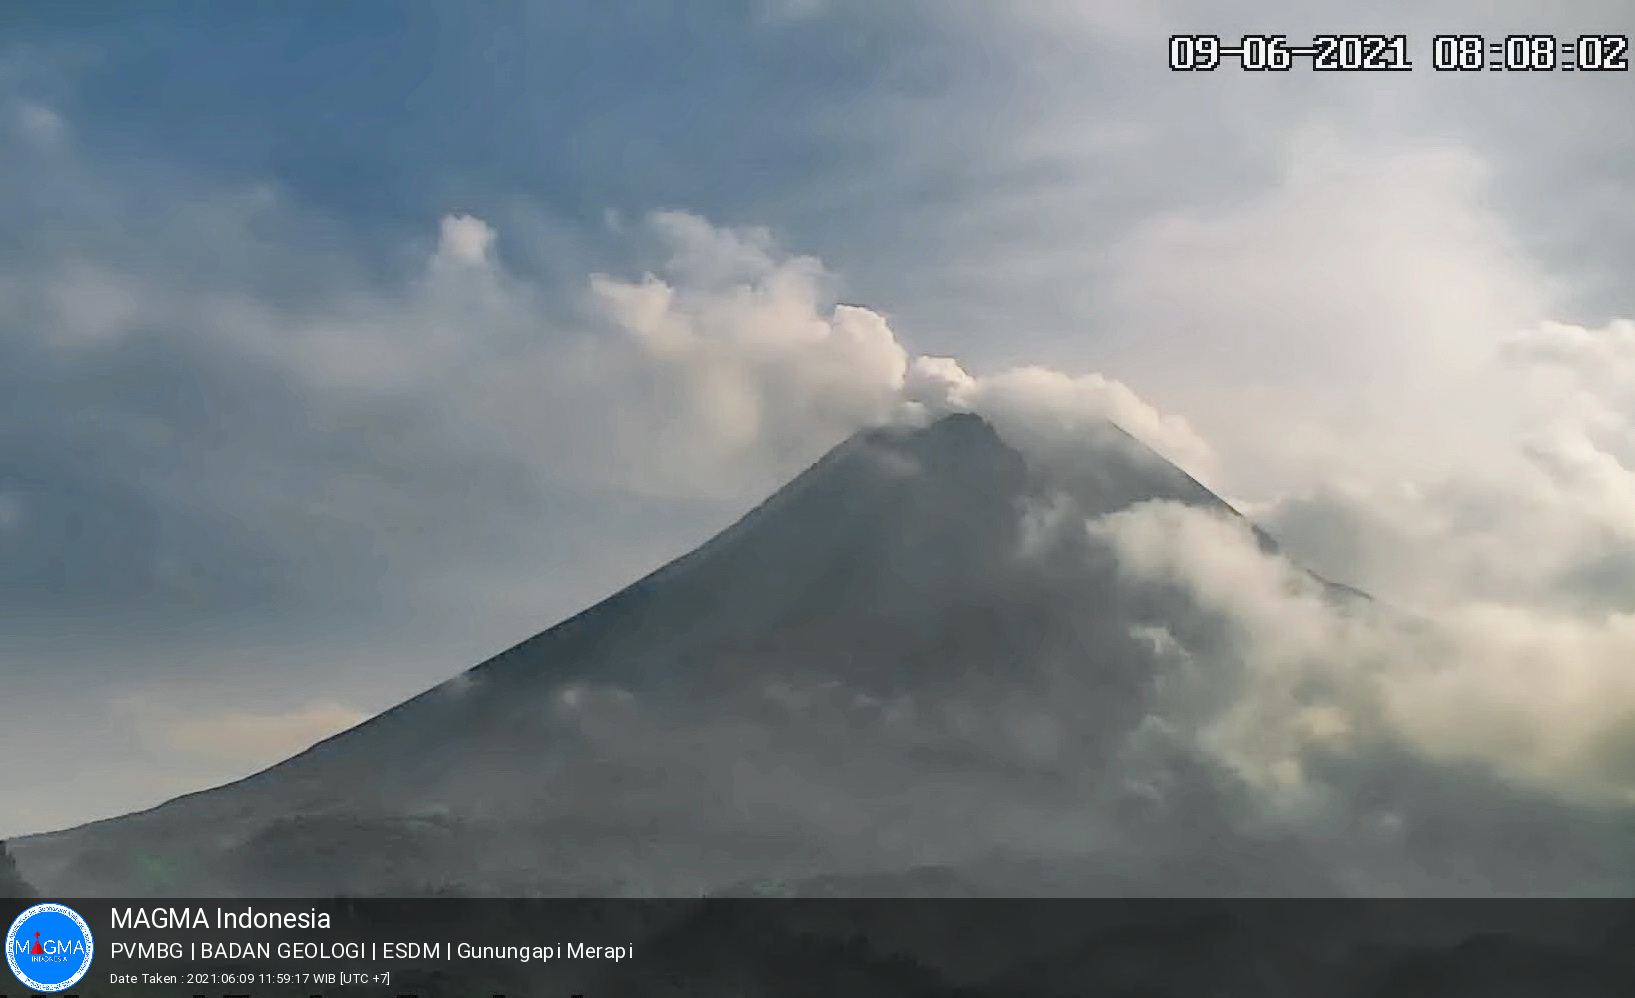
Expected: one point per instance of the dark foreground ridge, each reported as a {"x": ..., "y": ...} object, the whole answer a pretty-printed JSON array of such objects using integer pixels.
[
  {"x": 12, "y": 884},
  {"x": 927, "y": 948}
]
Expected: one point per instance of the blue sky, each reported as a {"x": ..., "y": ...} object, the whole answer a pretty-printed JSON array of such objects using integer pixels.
[
  {"x": 373, "y": 111},
  {"x": 331, "y": 367}
]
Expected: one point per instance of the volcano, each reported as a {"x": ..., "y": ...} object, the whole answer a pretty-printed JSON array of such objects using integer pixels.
[{"x": 910, "y": 670}]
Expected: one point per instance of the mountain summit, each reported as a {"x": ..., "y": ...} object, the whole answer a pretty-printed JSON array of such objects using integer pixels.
[{"x": 785, "y": 700}]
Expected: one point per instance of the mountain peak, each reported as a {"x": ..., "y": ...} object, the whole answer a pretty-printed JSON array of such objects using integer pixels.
[
  {"x": 892, "y": 567},
  {"x": 959, "y": 426}
]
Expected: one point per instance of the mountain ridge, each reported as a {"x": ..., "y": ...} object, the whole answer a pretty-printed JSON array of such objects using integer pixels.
[{"x": 890, "y": 567}]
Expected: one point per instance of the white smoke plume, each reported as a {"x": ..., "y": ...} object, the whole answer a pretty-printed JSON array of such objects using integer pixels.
[
  {"x": 732, "y": 358},
  {"x": 1544, "y": 699}
]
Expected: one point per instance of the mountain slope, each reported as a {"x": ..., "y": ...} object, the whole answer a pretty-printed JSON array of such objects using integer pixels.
[{"x": 900, "y": 567}]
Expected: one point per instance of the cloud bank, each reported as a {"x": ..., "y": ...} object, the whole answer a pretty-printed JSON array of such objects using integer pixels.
[
  {"x": 1539, "y": 698},
  {"x": 724, "y": 370}
]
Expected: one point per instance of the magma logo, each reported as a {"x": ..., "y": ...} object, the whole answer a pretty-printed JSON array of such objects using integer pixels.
[{"x": 49, "y": 947}]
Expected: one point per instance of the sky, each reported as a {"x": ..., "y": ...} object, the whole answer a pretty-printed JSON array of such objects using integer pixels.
[{"x": 342, "y": 346}]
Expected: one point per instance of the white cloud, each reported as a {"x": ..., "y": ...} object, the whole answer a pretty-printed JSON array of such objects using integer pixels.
[
  {"x": 1052, "y": 414},
  {"x": 40, "y": 124},
  {"x": 728, "y": 369},
  {"x": 1541, "y": 698},
  {"x": 756, "y": 359},
  {"x": 464, "y": 240},
  {"x": 1595, "y": 354},
  {"x": 94, "y": 305},
  {"x": 1355, "y": 305},
  {"x": 1542, "y": 518}
]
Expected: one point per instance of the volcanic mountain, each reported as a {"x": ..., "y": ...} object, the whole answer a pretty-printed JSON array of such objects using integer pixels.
[{"x": 910, "y": 670}]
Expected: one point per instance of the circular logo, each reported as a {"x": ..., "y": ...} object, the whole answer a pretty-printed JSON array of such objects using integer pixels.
[{"x": 49, "y": 947}]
